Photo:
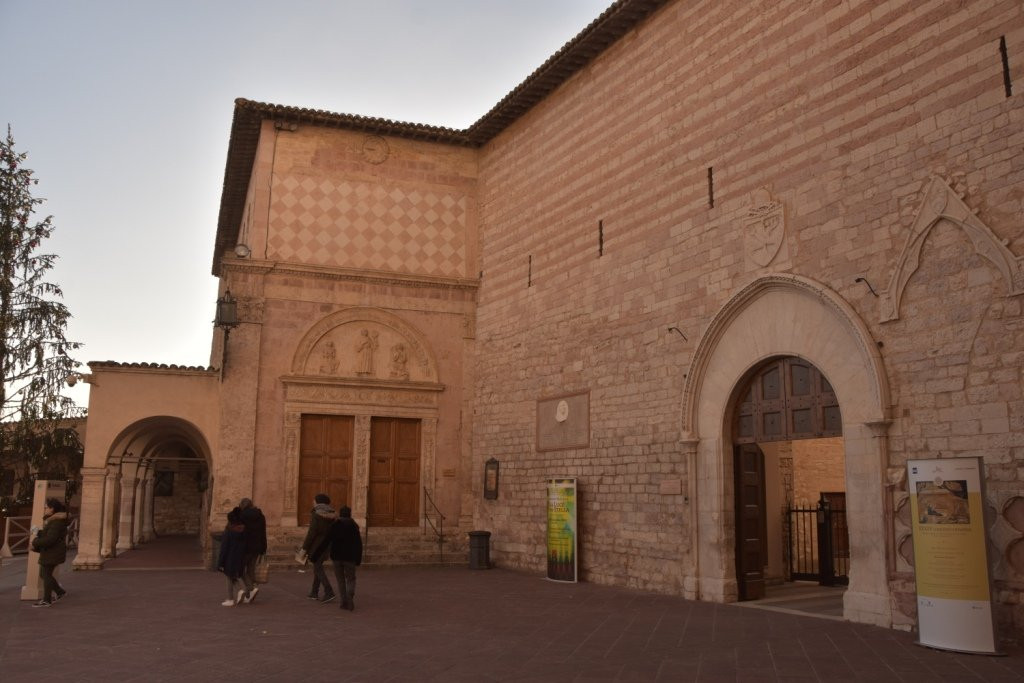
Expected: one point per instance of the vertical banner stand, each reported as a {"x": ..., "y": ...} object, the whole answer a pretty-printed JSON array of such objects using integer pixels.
[
  {"x": 951, "y": 568},
  {"x": 32, "y": 590},
  {"x": 563, "y": 543}
]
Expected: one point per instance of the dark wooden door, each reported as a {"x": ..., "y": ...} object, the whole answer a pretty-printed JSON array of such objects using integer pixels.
[
  {"x": 751, "y": 522},
  {"x": 785, "y": 399},
  {"x": 394, "y": 495},
  {"x": 325, "y": 461}
]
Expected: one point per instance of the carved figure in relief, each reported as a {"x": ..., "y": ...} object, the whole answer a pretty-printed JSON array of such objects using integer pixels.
[
  {"x": 366, "y": 345},
  {"x": 329, "y": 359},
  {"x": 399, "y": 362}
]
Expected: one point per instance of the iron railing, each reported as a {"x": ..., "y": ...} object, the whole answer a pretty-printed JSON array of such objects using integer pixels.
[
  {"x": 819, "y": 547},
  {"x": 438, "y": 528}
]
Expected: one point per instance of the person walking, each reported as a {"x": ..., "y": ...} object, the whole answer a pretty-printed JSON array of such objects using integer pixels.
[
  {"x": 255, "y": 545},
  {"x": 232, "y": 557},
  {"x": 51, "y": 544},
  {"x": 317, "y": 543},
  {"x": 346, "y": 554}
]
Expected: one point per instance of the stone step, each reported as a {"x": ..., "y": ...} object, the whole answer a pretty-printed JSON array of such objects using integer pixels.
[{"x": 382, "y": 546}]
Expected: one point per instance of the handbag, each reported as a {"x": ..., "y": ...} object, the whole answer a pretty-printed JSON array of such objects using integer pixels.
[
  {"x": 262, "y": 573},
  {"x": 301, "y": 558}
]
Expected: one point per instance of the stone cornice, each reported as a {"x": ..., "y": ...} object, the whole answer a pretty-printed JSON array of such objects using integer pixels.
[
  {"x": 231, "y": 264},
  {"x": 359, "y": 383}
]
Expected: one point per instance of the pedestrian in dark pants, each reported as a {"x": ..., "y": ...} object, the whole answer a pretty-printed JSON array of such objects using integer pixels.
[
  {"x": 51, "y": 544},
  {"x": 232, "y": 557},
  {"x": 255, "y": 545},
  {"x": 346, "y": 554},
  {"x": 317, "y": 544}
]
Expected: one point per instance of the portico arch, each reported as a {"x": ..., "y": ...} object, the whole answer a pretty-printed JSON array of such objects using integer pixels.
[
  {"x": 128, "y": 482},
  {"x": 787, "y": 315}
]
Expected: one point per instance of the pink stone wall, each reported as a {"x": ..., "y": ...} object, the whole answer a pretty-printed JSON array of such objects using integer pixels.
[{"x": 842, "y": 110}]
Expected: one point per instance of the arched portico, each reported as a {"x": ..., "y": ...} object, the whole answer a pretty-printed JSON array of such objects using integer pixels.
[
  {"x": 779, "y": 315},
  {"x": 136, "y": 467}
]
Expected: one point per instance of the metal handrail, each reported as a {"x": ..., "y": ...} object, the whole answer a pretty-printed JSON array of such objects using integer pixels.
[{"x": 439, "y": 527}]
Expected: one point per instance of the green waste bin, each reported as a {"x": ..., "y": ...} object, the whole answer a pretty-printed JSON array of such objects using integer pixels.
[{"x": 479, "y": 549}]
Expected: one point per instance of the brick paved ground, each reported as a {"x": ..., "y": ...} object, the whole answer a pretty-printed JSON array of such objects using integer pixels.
[{"x": 438, "y": 625}]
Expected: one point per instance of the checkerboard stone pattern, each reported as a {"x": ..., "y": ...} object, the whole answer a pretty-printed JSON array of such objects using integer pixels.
[{"x": 352, "y": 224}]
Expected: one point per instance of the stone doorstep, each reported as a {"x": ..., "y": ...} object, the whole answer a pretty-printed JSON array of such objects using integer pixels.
[{"x": 406, "y": 546}]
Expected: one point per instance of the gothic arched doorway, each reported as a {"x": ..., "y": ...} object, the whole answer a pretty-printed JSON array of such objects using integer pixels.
[{"x": 789, "y": 475}]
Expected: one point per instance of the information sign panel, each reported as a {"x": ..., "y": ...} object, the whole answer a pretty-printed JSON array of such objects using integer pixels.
[{"x": 954, "y": 598}]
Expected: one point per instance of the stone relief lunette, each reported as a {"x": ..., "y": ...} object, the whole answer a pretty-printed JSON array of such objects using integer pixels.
[{"x": 365, "y": 350}]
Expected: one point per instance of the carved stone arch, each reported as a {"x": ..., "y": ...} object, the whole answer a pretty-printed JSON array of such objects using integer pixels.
[
  {"x": 787, "y": 315},
  {"x": 826, "y": 305},
  {"x": 419, "y": 350},
  {"x": 942, "y": 202}
]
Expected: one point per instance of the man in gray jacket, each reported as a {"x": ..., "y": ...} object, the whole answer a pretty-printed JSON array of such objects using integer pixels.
[{"x": 318, "y": 543}]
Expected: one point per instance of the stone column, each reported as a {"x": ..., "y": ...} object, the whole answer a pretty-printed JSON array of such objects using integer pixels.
[
  {"x": 146, "y": 533},
  {"x": 111, "y": 497},
  {"x": 129, "y": 485},
  {"x": 90, "y": 519}
]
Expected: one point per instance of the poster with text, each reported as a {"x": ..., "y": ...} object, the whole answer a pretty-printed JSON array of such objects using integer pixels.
[
  {"x": 562, "y": 543},
  {"x": 954, "y": 597}
]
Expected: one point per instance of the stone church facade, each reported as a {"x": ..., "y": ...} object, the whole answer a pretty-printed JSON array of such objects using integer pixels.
[{"x": 690, "y": 206}]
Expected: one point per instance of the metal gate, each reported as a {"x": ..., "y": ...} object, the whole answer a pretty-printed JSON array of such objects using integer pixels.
[{"x": 819, "y": 544}]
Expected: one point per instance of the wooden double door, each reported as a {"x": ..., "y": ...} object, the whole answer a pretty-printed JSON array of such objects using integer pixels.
[
  {"x": 325, "y": 461},
  {"x": 394, "y": 486},
  {"x": 325, "y": 466}
]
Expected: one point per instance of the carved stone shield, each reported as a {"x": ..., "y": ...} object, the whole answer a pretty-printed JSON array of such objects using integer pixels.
[{"x": 766, "y": 226}]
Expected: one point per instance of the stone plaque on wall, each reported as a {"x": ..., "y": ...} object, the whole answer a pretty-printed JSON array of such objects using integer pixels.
[{"x": 563, "y": 422}]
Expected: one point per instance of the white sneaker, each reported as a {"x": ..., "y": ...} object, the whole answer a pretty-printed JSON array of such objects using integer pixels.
[
  {"x": 228, "y": 603},
  {"x": 240, "y": 596},
  {"x": 252, "y": 594}
]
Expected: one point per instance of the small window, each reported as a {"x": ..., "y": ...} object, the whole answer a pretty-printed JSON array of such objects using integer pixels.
[{"x": 164, "y": 483}]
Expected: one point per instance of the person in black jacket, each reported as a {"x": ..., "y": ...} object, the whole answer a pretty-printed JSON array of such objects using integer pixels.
[
  {"x": 316, "y": 544},
  {"x": 232, "y": 556},
  {"x": 51, "y": 544},
  {"x": 255, "y": 545},
  {"x": 346, "y": 554}
]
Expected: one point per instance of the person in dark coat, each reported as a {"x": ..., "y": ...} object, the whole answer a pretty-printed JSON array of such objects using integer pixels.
[
  {"x": 51, "y": 544},
  {"x": 255, "y": 545},
  {"x": 346, "y": 554},
  {"x": 317, "y": 543},
  {"x": 232, "y": 557}
]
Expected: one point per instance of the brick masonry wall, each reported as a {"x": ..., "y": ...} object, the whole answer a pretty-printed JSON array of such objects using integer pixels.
[
  {"x": 180, "y": 513},
  {"x": 843, "y": 110}
]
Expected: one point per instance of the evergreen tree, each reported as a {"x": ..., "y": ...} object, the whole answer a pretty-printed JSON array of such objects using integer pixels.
[{"x": 34, "y": 354}]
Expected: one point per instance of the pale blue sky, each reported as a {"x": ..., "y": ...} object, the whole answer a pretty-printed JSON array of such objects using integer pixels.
[{"x": 124, "y": 107}]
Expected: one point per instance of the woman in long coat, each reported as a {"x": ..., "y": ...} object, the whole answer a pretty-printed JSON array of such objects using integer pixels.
[
  {"x": 51, "y": 544},
  {"x": 232, "y": 557}
]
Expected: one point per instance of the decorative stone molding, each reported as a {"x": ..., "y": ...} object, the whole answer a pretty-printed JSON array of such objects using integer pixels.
[
  {"x": 315, "y": 389},
  {"x": 842, "y": 312},
  {"x": 943, "y": 202},
  {"x": 353, "y": 329},
  {"x": 250, "y": 310},
  {"x": 389, "y": 279}
]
